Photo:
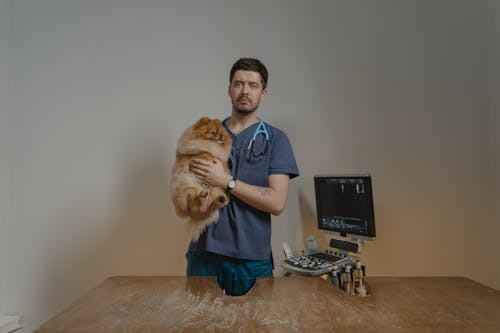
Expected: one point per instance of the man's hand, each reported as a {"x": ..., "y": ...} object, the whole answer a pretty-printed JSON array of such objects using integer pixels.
[{"x": 210, "y": 172}]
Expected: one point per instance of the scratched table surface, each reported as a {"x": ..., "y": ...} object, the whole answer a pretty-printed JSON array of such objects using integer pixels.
[{"x": 282, "y": 304}]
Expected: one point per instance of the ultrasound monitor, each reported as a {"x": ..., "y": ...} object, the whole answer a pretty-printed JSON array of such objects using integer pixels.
[{"x": 344, "y": 205}]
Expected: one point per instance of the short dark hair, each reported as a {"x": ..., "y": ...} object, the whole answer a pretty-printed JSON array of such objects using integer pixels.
[{"x": 250, "y": 64}]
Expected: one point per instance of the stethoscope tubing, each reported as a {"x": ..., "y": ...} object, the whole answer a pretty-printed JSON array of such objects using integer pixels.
[{"x": 261, "y": 129}]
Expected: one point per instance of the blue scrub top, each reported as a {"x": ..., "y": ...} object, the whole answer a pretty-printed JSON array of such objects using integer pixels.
[{"x": 243, "y": 231}]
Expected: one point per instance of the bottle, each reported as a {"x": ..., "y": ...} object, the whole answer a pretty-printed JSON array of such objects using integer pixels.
[
  {"x": 312, "y": 244},
  {"x": 357, "y": 276},
  {"x": 334, "y": 278},
  {"x": 347, "y": 280}
]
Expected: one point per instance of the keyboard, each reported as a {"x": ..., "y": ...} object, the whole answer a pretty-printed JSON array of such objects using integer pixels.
[
  {"x": 326, "y": 257},
  {"x": 314, "y": 264}
]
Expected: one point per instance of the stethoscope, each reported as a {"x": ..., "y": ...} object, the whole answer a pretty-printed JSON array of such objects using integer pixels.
[{"x": 261, "y": 129}]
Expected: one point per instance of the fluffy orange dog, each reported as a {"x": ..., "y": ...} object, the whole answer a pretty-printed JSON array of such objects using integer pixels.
[{"x": 206, "y": 139}]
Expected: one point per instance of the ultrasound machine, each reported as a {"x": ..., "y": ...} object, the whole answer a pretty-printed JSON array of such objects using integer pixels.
[{"x": 344, "y": 206}]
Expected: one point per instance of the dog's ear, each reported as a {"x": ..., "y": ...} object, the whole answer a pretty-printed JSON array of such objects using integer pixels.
[
  {"x": 202, "y": 121},
  {"x": 218, "y": 122}
]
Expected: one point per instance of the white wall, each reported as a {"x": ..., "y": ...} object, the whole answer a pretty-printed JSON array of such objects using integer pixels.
[
  {"x": 5, "y": 20},
  {"x": 102, "y": 90}
]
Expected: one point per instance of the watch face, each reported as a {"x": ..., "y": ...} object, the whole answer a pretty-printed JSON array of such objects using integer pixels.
[{"x": 231, "y": 184}]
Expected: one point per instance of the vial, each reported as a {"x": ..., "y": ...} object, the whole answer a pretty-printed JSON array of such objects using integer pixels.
[{"x": 312, "y": 244}]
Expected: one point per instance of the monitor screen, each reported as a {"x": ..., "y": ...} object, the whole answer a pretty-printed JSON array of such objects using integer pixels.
[{"x": 344, "y": 205}]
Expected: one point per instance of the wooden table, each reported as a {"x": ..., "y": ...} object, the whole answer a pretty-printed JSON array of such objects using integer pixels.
[{"x": 283, "y": 304}]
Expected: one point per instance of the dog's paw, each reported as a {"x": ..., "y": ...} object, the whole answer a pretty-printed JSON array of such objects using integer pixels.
[{"x": 220, "y": 199}]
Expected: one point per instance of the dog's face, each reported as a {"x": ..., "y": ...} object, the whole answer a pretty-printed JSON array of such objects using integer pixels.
[{"x": 211, "y": 129}]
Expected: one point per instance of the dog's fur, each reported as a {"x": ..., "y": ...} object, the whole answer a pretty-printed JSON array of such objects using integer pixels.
[{"x": 206, "y": 139}]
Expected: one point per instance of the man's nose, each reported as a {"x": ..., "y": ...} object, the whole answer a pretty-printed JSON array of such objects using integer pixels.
[{"x": 245, "y": 89}]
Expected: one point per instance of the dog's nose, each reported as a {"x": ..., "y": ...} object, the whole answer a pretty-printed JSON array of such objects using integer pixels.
[{"x": 222, "y": 198}]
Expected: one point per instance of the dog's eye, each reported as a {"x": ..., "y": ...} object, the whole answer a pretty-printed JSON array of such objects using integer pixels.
[{"x": 212, "y": 132}]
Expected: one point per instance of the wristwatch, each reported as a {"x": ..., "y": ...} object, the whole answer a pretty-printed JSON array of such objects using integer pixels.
[{"x": 231, "y": 184}]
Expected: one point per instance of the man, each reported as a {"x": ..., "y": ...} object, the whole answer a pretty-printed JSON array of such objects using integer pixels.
[{"x": 237, "y": 248}]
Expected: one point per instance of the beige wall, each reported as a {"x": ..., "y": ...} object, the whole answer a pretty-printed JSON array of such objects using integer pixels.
[
  {"x": 495, "y": 136},
  {"x": 102, "y": 90},
  {"x": 5, "y": 19}
]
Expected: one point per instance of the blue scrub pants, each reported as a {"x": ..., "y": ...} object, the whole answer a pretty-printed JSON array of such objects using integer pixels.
[{"x": 235, "y": 276}]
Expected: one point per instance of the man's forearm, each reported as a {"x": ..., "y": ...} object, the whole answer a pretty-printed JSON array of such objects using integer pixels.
[{"x": 271, "y": 199}]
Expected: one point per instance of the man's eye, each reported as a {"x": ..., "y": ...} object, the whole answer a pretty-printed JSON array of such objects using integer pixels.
[{"x": 253, "y": 86}]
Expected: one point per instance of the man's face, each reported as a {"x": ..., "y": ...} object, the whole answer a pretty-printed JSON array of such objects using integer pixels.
[{"x": 245, "y": 91}]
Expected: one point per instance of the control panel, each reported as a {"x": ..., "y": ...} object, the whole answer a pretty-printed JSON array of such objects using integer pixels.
[
  {"x": 315, "y": 264},
  {"x": 344, "y": 270}
]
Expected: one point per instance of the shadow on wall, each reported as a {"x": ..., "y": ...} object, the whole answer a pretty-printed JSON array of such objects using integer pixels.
[{"x": 140, "y": 234}]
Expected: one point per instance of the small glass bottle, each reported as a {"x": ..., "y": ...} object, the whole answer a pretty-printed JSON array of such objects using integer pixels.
[{"x": 312, "y": 244}]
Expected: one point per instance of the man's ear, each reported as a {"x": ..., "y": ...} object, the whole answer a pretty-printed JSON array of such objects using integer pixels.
[{"x": 264, "y": 94}]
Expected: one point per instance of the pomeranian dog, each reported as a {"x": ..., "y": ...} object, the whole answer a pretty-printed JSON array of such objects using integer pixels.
[{"x": 206, "y": 139}]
